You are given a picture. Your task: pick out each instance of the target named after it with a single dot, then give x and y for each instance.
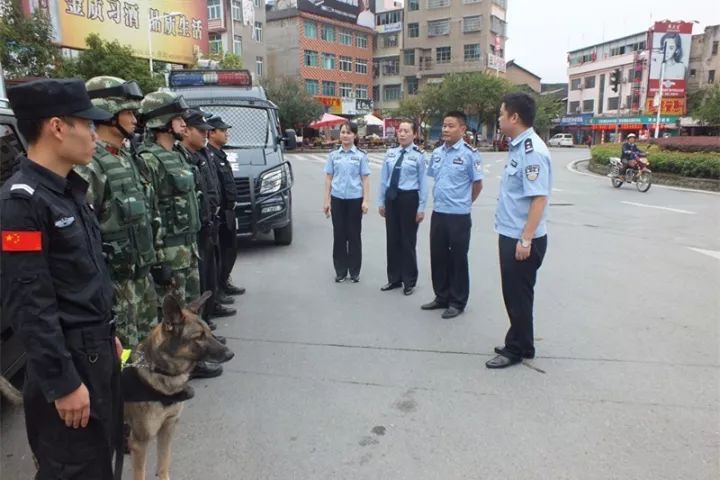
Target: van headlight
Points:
(272, 181)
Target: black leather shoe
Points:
(223, 299)
(220, 339)
(222, 311)
(408, 290)
(451, 312)
(501, 361)
(501, 351)
(206, 370)
(212, 325)
(434, 305)
(231, 289)
(390, 286)
(340, 279)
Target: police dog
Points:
(156, 384)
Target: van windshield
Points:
(251, 127)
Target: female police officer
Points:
(401, 200)
(347, 190)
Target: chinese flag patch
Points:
(22, 241)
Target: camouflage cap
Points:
(159, 108)
(114, 94)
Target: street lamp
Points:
(159, 19)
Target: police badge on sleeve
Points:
(532, 172)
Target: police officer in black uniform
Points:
(56, 287)
(194, 141)
(227, 236)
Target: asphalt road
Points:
(342, 381)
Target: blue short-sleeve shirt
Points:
(412, 173)
(455, 168)
(528, 174)
(347, 168)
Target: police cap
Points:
(54, 98)
(217, 122)
(197, 119)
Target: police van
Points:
(12, 353)
(255, 148)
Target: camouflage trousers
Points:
(186, 283)
(136, 306)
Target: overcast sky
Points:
(541, 32)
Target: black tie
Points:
(391, 193)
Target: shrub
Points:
(689, 144)
(694, 164)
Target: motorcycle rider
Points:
(630, 152)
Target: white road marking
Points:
(558, 190)
(499, 161)
(709, 253)
(669, 209)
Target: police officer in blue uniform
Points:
(56, 287)
(520, 224)
(347, 190)
(401, 200)
(458, 173)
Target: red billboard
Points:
(670, 49)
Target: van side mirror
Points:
(290, 139)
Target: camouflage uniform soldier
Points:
(175, 187)
(123, 202)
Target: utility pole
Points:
(658, 100)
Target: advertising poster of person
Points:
(670, 42)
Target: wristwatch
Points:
(525, 243)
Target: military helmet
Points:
(159, 108)
(114, 94)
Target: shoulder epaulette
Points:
(19, 190)
(472, 149)
(418, 149)
(528, 145)
(361, 150)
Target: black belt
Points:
(406, 192)
(86, 334)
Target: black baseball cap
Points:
(217, 122)
(48, 98)
(197, 119)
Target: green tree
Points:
(231, 61)
(296, 107)
(111, 58)
(708, 112)
(549, 107)
(422, 107)
(26, 43)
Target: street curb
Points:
(572, 167)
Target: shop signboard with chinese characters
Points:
(332, 104)
(631, 123)
(174, 37)
(670, 106)
(670, 44)
(359, 12)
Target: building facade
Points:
(518, 75)
(238, 26)
(333, 58)
(388, 86)
(704, 68)
(450, 36)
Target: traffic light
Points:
(615, 79)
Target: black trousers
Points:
(83, 453)
(208, 266)
(401, 232)
(227, 251)
(518, 287)
(347, 243)
(449, 245)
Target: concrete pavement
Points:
(342, 381)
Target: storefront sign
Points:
(670, 106)
(333, 104)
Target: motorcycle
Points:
(640, 174)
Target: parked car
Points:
(501, 143)
(561, 140)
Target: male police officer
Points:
(56, 287)
(458, 173)
(520, 224)
(217, 139)
(209, 207)
(120, 197)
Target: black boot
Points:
(206, 370)
(222, 298)
(222, 311)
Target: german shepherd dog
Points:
(161, 374)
